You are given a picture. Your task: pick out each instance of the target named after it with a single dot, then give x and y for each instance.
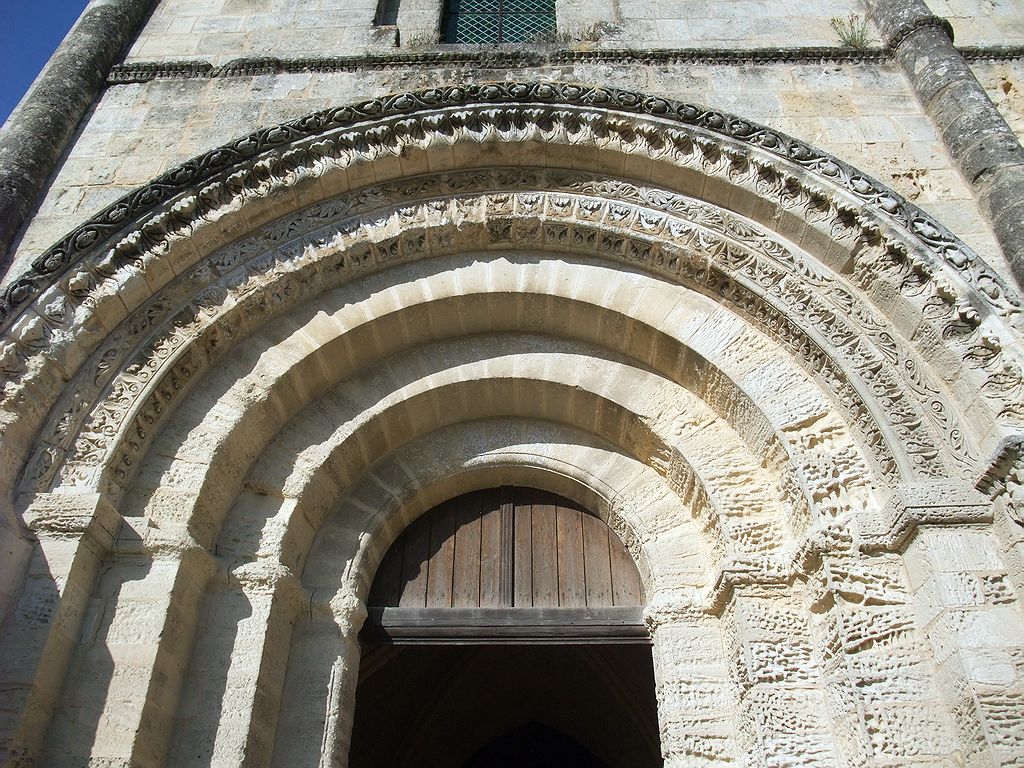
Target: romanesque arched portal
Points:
(781, 385)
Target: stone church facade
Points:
(320, 317)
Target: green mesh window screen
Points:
(498, 21)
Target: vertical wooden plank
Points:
(522, 546)
(545, 556)
(572, 588)
(467, 556)
(442, 556)
(491, 550)
(505, 497)
(597, 561)
(625, 578)
(387, 582)
(415, 556)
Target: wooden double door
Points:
(505, 628)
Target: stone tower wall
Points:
(748, 294)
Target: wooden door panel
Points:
(491, 546)
(597, 561)
(572, 586)
(545, 556)
(505, 548)
(468, 557)
(522, 555)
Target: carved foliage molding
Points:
(289, 259)
(884, 203)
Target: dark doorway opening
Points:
(486, 706)
(535, 745)
(505, 628)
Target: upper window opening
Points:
(387, 13)
(498, 21)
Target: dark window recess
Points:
(387, 13)
(498, 21)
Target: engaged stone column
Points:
(74, 533)
(696, 700)
(966, 607)
(875, 664)
(776, 669)
(315, 724)
(229, 709)
(118, 705)
(975, 622)
(989, 155)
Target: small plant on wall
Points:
(579, 34)
(853, 30)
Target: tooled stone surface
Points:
(914, 504)
(888, 205)
(940, 301)
(615, 222)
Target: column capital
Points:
(72, 516)
(910, 505)
(896, 37)
(269, 578)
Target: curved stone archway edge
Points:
(39, 334)
(381, 252)
(42, 332)
(192, 342)
(728, 129)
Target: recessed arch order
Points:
(302, 331)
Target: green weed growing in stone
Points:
(853, 30)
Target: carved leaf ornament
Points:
(814, 254)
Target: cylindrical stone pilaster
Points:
(228, 714)
(318, 704)
(73, 534)
(118, 705)
(988, 153)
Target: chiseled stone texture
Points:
(1004, 83)
(797, 400)
(864, 114)
(982, 22)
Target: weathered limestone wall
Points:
(864, 114)
(797, 400)
(221, 30)
(1004, 84)
(982, 22)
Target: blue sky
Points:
(30, 30)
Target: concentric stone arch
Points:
(872, 306)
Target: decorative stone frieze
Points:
(230, 159)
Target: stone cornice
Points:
(147, 71)
(914, 504)
(992, 53)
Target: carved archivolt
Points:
(133, 307)
(256, 370)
